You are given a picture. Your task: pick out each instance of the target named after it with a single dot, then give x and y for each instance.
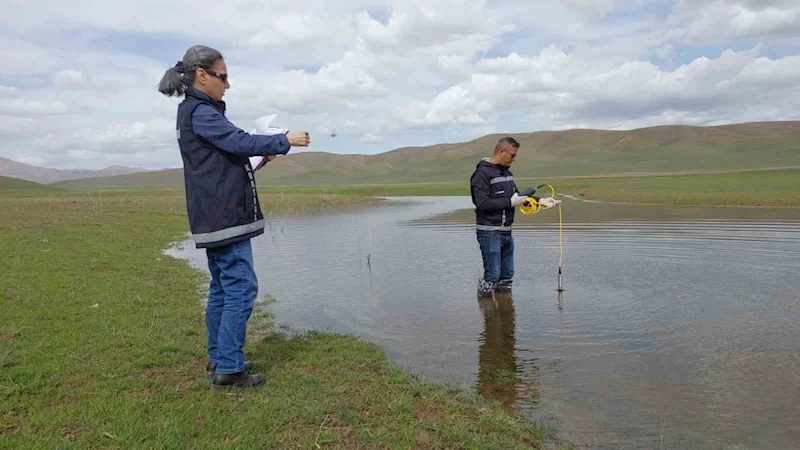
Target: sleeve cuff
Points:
(285, 142)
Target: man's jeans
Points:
(231, 295)
(497, 250)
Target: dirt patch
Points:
(426, 439)
(71, 433)
(11, 293)
(9, 335)
(374, 368)
(64, 401)
(424, 412)
(9, 422)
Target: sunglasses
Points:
(221, 76)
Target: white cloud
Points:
(291, 29)
(117, 138)
(389, 74)
(456, 105)
(337, 84)
(255, 24)
(713, 21)
(422, 24)
(68, 78)
(13, 126)
(24, 107)
(555, 88)
(8, 91)
(592, 8)
(28, 57)
(370, 138)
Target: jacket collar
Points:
(487, 162)
(218, 105)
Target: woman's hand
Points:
(299, 139)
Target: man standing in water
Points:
(495, 196)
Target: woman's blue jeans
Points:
(231, 295)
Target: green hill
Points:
(570, 153)
(15, 185)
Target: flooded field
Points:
(679, 327)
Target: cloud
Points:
(28, 57)
(249, 24)
(82, 89)
(117, 138)
(8, 91)
(68, 78)
(554, 88)
(592, 8)
(19, 106)
(456, 105)
(14, 127)
(370, 138)
(432, 24)
(290, 29)
(336, 84)
(713, 21)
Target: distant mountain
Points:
(13, 169)
(544, 154)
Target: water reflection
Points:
(497, 363)
(505, 373)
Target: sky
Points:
(78, 88)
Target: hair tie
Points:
(179, 66)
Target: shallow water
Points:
(678, 327)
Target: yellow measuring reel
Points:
(532, 206)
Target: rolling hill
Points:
(8, 184)
(570, 153)
(14, 169)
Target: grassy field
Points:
(752, 188)
(756, 188)
(102, 345)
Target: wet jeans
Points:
(497, 250)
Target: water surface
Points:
(678, 327)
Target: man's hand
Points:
(516, 200)
(299, 139)
(271, 157)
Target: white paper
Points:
(263, 127)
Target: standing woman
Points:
(222, 203)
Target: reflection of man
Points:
(497, 364)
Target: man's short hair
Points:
(502, 143)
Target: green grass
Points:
(102, 345)
(757, 188)
(779, 187)
(21, 187)
(753, 188)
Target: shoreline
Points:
(113, 338)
